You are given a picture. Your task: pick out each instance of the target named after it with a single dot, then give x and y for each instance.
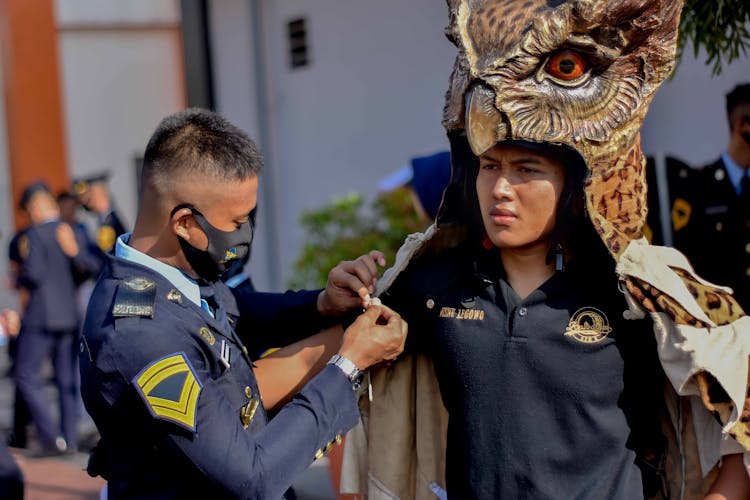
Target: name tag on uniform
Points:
(461, 313)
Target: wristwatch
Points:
(354, 374)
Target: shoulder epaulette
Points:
(135, 297)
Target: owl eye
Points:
(567, 67)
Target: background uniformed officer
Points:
(93, 194)
(50, 255)
(166, 374)
(11, 477)
(717, 234)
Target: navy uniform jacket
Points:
(682, 181)
(49, 276)
(717, 235)
(176, 420)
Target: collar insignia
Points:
(105, 238)
(174, 296)
(588, 325)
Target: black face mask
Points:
(224, 247)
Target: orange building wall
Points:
(34, 114)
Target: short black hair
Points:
(31, 190)
(738, 95)
(199, 141)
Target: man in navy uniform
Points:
(50, 254)
(717, 235)
(94, 196)
(165, 371)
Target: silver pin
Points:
(224, 357)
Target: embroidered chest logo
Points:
(459, 313)
(588, 325)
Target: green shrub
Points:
(346, 228)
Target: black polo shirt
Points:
(540, 391)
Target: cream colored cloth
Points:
(685, 351)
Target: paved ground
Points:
(64, 478)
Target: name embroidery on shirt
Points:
(459, 313)
(588, 325)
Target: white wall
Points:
(235, 71)
(687, 118)
(121, 68)
(371, 99)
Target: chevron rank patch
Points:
(170, 389)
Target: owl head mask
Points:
(578, 73)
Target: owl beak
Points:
(483, 120)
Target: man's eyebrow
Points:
(523, 159)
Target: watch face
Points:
(357, 378)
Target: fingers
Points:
(350, 281)
(378, 257)
(373, 313)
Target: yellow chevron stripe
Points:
(183, 411)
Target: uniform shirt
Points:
(50, 276)
(717, 235)
(172, 392)
(535, 388)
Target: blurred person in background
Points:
(94, 196)
(50, 255)
(11, 478)
(717, 233)
(17, 437)
(426, 178)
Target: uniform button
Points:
(522, 311)
(248, 391)
(318, 454)
(747, 271)
(747, 248)
(430, 303)
(338, 438)
(719, 226)
(329, 447)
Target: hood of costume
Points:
(581, 74)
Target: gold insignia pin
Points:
(247, 413)
(588, 325)
(105, 238)
(23, 246)
(681, 211)
(81, 187)
(207, 335)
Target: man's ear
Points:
(180, 222)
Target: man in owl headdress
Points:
(536, 306)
